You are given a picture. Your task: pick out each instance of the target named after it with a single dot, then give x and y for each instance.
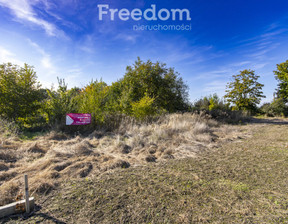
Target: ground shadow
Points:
(36, 217)
(278, 121)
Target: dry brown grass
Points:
(50, 159)
(53, 135)
(9, 191)
(3, 166)
(243, 181)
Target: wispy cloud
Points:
(238, 64)
(24, 13)
(273, 33)
(127, 37)
(8, 56)
(177, 52)
(261, 53)
(258, 66)
(258, 47)
(87, 44)
(215, 86)
(46, 58)
(224, 71)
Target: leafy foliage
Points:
(93, 99)
(147, 89)
(19, 93)
(60, 102)
(155, 81)
(244, 92)
(278, 107)
(218, 109)
(212, 102)
(202, 104)
(281, 74)
(8, 128)
(144, 108)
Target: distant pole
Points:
(26, 194)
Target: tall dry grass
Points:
(52, 158)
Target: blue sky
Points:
(67, 39)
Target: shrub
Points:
(210, 103)
(143, 108)
(217, 109)
(278, 107)
(19, 93)
(60, 102)
(8, 128)
(93, 99)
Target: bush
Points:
(8, 128)
(219, 110)
(278, 107)
(19, 93)
(229, 116)
(60, 102)
(143, 108)
(93, 99)
(210, 103)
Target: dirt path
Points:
(243, 181)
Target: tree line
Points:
(147, 89)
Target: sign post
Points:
(27, 203)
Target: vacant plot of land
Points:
(51, 159)
(239, 181)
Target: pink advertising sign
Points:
(78, 119)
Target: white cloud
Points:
(258, 66)
(46, 62)
(239, 64)
(46, 58)
(87, 44)
(262, 54)
(274, 33)
(87, 49)
(127, 37)
(225, 72)
(24, 12)
(75, 71)
(7, 56)
(215, 86)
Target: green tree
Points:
(93, 99)
(60, 102)
(155, 81)
(215, 103)
(281, 74)
(202, 104)
(244, 92)
(19, 92)
(113, 98)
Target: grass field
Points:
(232, 174)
